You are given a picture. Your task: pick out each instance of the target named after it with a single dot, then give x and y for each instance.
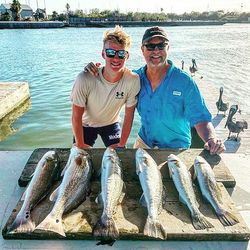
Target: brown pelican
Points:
(221, 106)
(193, 68)
(235, 126)
(182, 64)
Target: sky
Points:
(174, 6)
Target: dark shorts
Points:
(110, 134)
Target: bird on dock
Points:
(193, 68)
(235, 126)
(221, 106)
(182, 64)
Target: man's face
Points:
(155, 56)
(115, 57)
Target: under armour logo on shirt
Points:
(119, 95)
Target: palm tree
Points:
(15, 9)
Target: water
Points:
(50, 59)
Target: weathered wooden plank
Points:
(127, 157)
(131, 217)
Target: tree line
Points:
(95, 13)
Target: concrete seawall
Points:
(31, 25)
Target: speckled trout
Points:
(211, 191)
(40, 184)
(183, 183)
(73, 190)
(111, 194)
(151, 183)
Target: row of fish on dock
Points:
(76, 183)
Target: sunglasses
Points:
(152, 46)
(112, 52)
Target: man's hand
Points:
(215, 146)
(92, 68)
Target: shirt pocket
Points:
(172, 108)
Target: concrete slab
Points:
(12, 162)
(12, 94)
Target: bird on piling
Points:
(221, 106)
(193, 68)
(235, 126)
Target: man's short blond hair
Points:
(118, 36)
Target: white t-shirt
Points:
(103, 100)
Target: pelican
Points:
(235, 126)
(221, 106)
(193, 68)
(182, 64)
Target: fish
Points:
(153, 193)
(73, 190)
(44, 175)
(111, 195)
(211, 191)
(183, 183)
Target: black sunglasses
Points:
(112, 52)
(152, 46)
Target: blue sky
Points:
(176, 6)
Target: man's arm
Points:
(207, 133)
(127, 125)
(77, 113)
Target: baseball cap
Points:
(154, 32)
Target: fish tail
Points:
(22, 224)
(228, 219)
(52, 223)
(106, 227)
(200, 222)
(154, 229)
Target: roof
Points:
(23, 6)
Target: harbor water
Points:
(50, 59)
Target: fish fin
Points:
(182, 200)
(51, 223)
(121, 198)
(154, 228)
(228, 219)
(170, 172)
(22, 224)
(54, 195)
(99, 199)
(24, 195)
(143, 201)
(106, 227)
(162, 164)
(200, 222)
(205, 200)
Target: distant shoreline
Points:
(101, 24)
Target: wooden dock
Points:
(131, 216)
(12, 95)
(211, 95)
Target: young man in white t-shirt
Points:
(97, 101)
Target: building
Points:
(26, 11)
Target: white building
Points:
(26, 11)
